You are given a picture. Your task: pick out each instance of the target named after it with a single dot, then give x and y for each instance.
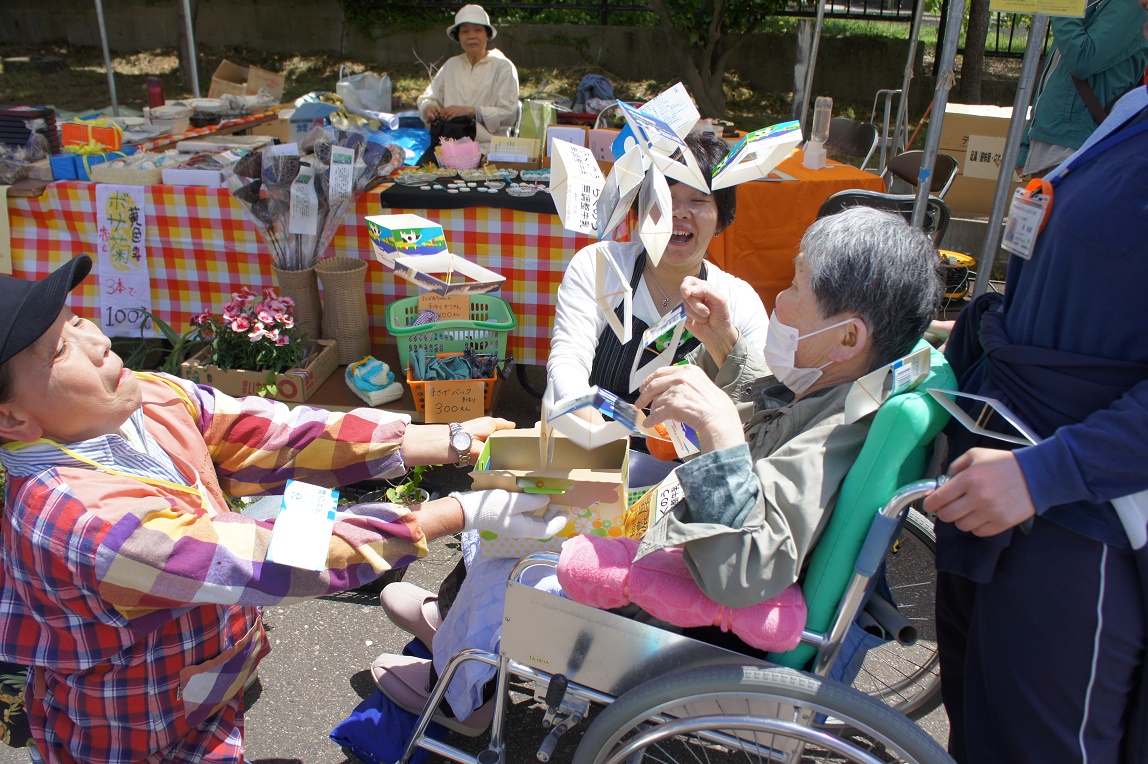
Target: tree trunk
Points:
(973, 59)
(185, 53)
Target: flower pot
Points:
(345, 306)
(303, 288)
(293, 385)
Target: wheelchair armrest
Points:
(538, 558)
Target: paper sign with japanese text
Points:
(454, 401)
(575, 184)
(675, 322)
(983, 157)
(568, 133)
(621, 188)
(652, 507)
(755, 155)
(304, 211)
(665, 148)
(450, 307)
(121, 259)
(655, 215)
(522, 149)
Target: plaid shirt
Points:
(134, 592)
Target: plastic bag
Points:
(536, 115)
(366, 92)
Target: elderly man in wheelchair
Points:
(788, 462)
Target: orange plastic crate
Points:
(418, 387)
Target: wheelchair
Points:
(670, 698)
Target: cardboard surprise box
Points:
(294, 385)
(974, 135)
(590, 486)
(244, 80)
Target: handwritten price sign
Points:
(454, 401)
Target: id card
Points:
(1025, 216)
(302, 534)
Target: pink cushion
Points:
(599, 571)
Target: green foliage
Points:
(692, 17)
(409, 491)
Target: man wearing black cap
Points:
(127, 584)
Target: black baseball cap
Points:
(29, 308)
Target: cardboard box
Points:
(404, 234)
(978, 131)
(295, 385)
(186, 176)
(280, 128)
(82, 132)
(244, 80)
(308, 116)
(590, 485)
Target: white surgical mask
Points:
(781, 349)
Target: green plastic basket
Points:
(491, 320)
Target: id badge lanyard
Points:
(1030, 206)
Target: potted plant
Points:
(256, 348)
(410, 491)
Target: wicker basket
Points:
(491, 320)
(345, 306)
(467, 162)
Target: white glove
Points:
(510, 514)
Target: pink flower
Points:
(232, 310)
(285, 320)
(265, 316)
(243, 296)
(289, 302)
(201, 319)
(270, 293)
(240, 324)
(282, 340)
(277, 306)
(258, 332)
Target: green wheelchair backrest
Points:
(895, 453)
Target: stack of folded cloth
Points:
(373, 381)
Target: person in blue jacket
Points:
(1042, 589)
(1106, 55)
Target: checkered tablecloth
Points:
(201, 248)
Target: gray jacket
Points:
(752, 512)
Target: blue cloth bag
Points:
(377, 731)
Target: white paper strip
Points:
(655, 215)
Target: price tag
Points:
(454, 401)
(448, 306)
(1025, 215)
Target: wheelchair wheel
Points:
(726, 714)
(907, 677)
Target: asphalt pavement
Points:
(322, 650)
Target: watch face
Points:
(460, 440)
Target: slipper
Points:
(412, 609)
(406, 681)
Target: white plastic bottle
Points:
(819, 135)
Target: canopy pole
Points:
(808, 94)
(903, 104)
(191, 54)
(1037, 31)
(107, 57)
(945, 81)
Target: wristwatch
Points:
(460, 441)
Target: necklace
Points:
(665, 297)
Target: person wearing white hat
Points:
(478, 84)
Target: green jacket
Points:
(1106, 49)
